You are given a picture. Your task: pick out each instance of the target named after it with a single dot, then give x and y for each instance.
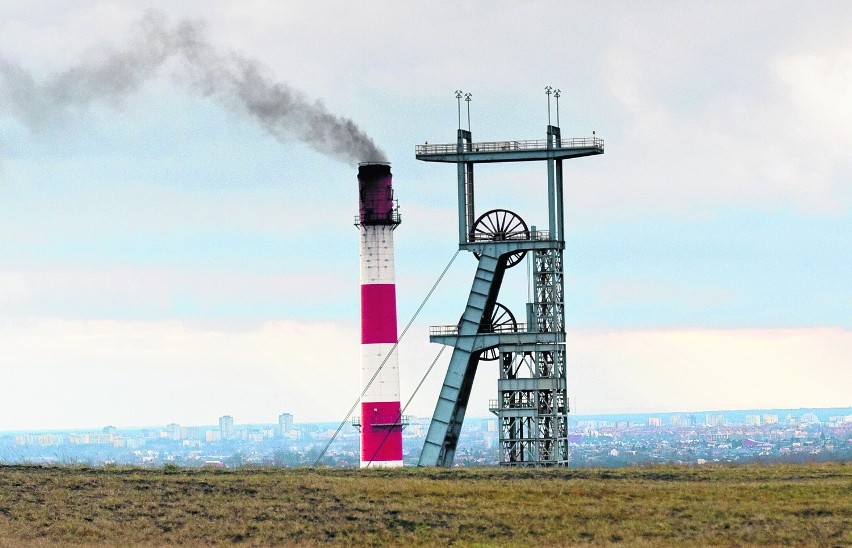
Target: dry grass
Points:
(726, 506)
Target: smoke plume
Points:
(108, 75)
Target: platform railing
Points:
(438, 330)
(506, 146)
(537, 235)
(391, 218)
(500, 236)
(403, 421)
(496, 405)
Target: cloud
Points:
(725, 146)
(13, 288)
(66, 374)
(71, 373)
(144, 292)
(701, 109)
(649, 293)
(820, 88)
(695, 105)
(701, 369)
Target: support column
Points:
(560, 203)
(551, 188)
(465, 186)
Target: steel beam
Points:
(510, 155)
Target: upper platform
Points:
(510, 151)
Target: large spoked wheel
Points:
(502, 321)
(499, 225)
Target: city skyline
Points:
(164, 257)
(705, 417)
(766, 435)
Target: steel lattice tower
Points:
(532, 405)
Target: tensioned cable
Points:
(390, 352)
(402, 411)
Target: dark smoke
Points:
(109, 75)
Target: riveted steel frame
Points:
(532, 403)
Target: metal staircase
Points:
(443, 434)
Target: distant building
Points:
(654, 421)
(110, 430)
(770, 419)
(750, 443)
(675, 420)
(90, 439)
(226, 427)
(285, 423)
(39, 439)
(714, 419)
(839, 421)
(809, 418)
(752, 420)
(173, 431)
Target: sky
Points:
(172, 249)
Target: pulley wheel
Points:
(499, 225)
(502, 321)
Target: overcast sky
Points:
(174, 249)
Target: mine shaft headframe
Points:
(499, 239)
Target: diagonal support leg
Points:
(440, 446)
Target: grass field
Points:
(727, 506)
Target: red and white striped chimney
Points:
(381, 424)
